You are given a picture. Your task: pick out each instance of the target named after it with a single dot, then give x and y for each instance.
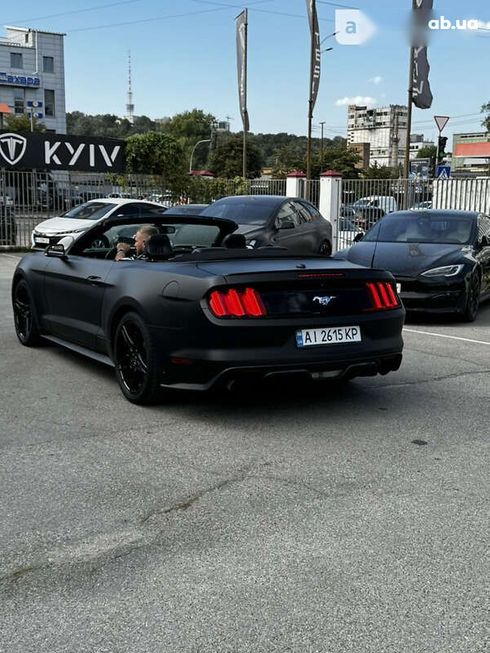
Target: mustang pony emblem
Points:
(325, 300)
(12, 147)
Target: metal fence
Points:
(462, 194)
(309, 189)
(28, 198)
(267, 187)
(364, 201)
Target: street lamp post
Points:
(206, 140)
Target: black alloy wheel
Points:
(325, 248)
(24, 317)
(472, 303)
(136, 360)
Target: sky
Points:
(184, 56)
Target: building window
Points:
(16, 60)
(49, 102)
(19, 100)
(48, 64)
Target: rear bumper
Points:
(206, 376)
(272, 351)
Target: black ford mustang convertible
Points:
(200, 309)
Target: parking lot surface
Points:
(346, 518)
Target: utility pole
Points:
(321, 145)
(406, 164)
(395, 139)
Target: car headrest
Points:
(235, 241)
(158, 248)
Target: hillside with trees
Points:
(220, 151)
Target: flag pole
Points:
(406, 163)
(244, 153)
(241, 44)
(310, 96)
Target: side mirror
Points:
(359, 236)
(55, 251)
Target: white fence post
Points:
(293, 182)
(331, 199)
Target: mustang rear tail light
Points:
(245, 302)
(382, 295)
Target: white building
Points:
(384, 128)
(417, 142)
(32, 70)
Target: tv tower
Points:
(129, 105)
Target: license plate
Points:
(398, 288)
(43, 241)
(330, 336)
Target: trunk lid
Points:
(300, 288)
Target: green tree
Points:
(192, 125)
(189, 128)
(338, 158)
(107, 125)
(379, 172)
(226, 159)
(155, 153)
(22, 123)
(427, 152)
(486, 120)
(288, 157)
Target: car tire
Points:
(136, 360)
(325, 248)
(472, 299)
(26, 327)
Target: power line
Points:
(77, 11)
(144, 20)
(282, 13)
(335, 4)
(265, 11)
(168, 16)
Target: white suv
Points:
(82, 217)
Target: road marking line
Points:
(442, 335)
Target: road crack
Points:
(102, 549)
(444, 377)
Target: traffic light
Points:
(441, 148)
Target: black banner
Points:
(61, 152)
(241, 57)
(315, 52)
(421, 93)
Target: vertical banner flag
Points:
(241, 56)
(421, 93)
(315, 52)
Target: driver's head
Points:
(143, 235)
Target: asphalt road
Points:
(349, 519)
